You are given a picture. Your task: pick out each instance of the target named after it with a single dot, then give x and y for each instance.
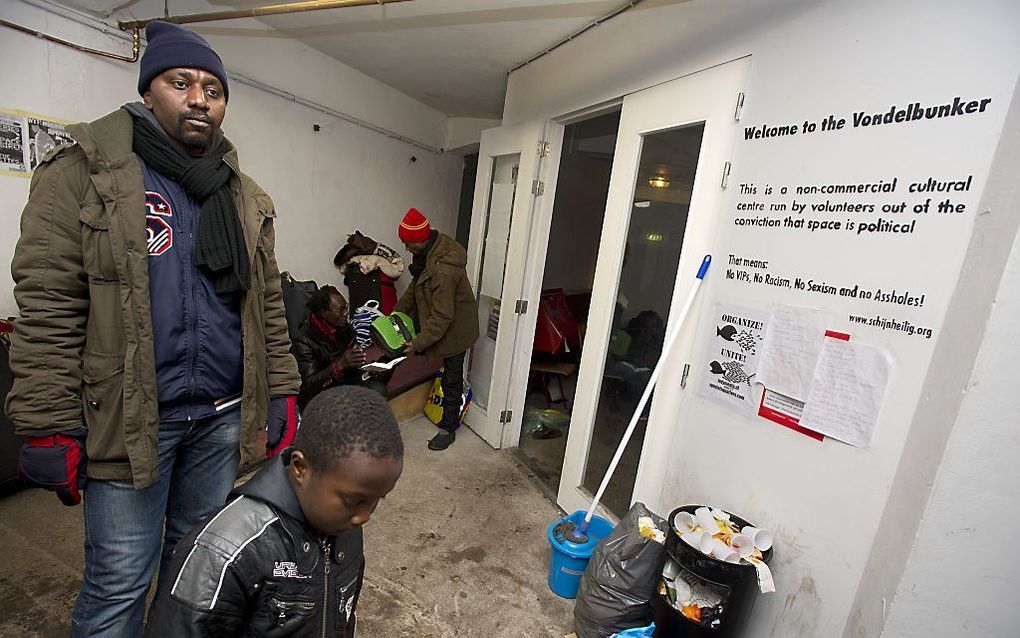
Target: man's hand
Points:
(353, 358)
(409, 350)
(55, 462)
(281, 424)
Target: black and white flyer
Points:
(43, 136)
(26, 138)
(732, 358)
(12, 144)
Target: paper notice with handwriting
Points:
(847, 389)
(793, 339)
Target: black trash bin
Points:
(736, 584)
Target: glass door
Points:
(509, 188)
(662, 194)
(665, 188)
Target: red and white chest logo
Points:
(159, 235)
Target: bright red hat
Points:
(414, 228)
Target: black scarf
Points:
(220, 250)
(420, 260)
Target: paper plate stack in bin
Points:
(724, 592)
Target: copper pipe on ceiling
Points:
(77, 16)
(598, 21)
(135, 46)
(256, 12)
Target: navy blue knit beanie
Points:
(171, 47)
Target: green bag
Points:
(393, 332)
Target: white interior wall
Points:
(940, 411)
(325, 184)
(254, 49)
(657, 41)
(463, 133)
(840, 551)
(962, 576)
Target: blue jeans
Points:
(125, 527)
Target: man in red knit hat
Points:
(444, 309)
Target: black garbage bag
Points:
(295, 302)
(617, 587)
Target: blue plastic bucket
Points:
(568, 559)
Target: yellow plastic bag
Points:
(434, 403)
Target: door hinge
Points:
(506, 416)
(683, 379)
(543, 148)
(537, 187)
(740, 106)
(521, 307)
(725, 175)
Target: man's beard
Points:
(205, 143)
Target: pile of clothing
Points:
(370, 270)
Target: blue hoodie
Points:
(197, 333)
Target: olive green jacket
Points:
(441, 302)
(82, 349)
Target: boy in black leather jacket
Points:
(284, 556)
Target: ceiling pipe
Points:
(106, 54)
(598, 21)
(255, 12)
(108, 28)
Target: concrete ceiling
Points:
(452, 55)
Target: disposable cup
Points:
(705, 520)
(762, 538)
(724, 552)
(670, 570)
(693, 539)
(742, 544)
(685, 522)
(705, 543)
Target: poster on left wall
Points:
(26, 138)
(12, 144)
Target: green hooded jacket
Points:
(82, 349)
(441, 302)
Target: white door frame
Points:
(538, 143)
(708, 96)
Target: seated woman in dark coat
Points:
(326, 352)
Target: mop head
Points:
(569, 532)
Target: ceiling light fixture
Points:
(658, 181)
(642, 204)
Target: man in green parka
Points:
(444, 310)
(151, 346)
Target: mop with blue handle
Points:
(580, 533)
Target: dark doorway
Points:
(467, 196)
(586, 162)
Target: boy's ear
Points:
(299, 467)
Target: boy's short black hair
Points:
(320, 299)
(343, 419)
